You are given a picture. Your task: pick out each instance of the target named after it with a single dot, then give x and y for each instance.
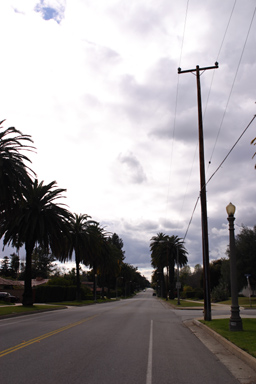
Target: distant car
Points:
(144, 290)
(154, 294)
(6, 296)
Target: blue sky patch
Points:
(49, 13)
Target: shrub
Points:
(49, 293)
(220, 293)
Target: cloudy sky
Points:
(95, 83)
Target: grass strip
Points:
(184, 303)
(82, 302)
(10, 310)
(245, 302)
(245, 339)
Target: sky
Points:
(95, 84)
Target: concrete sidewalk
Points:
(239, 363)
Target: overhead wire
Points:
(239, 62)
(218, 54)
(206, 105)
(176, 102)
(232, 87)
(214, 173)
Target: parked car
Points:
(6, 296)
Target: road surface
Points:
(134, 341)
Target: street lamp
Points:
(235, 321)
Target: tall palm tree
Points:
(159, 257)
(14, 173)
(98, 250)
(177, 255)
(39, 220)
(164, 250)
(79, 244)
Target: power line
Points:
(225, 158)
(176, 102)
(209, 92)
(231, 90)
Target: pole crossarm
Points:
(197, 67)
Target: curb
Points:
(244, 356)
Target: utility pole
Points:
(204, 220)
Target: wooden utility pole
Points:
(204, 220)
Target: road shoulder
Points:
(239, 363)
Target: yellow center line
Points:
(42, 337)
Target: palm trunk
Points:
(171, 280)
(28, 293)
(78, 283)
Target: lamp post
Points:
(235, 321)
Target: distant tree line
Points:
(32, 216)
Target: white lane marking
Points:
(150, 355)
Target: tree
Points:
(79, 244)
(245, 243)
(42, 263)
(178, 256)
(39, 220)
(159, 257)
(14, 173)
(112, 258)
(98, 251)
(14, 264)
(166, 251)
(5, 267)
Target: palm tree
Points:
(39, 220)
(97, 250)
(164, 250)
(177, 254)
(80, 244)
(14, 173)
(159, 257)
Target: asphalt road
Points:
(130, 341)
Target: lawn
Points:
(9, 308)
(185, 303)
(83, 302)
(20, 309)
(245, 339)
(245, 302)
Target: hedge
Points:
(48, 293)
